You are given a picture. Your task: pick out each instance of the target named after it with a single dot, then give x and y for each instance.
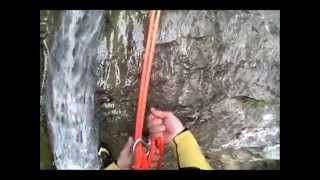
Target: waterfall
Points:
(70, 90)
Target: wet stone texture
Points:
(46, 158)
(218, 71)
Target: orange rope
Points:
(141, 159)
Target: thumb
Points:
(160, 114)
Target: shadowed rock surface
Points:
(218, 71)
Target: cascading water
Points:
(70, 90)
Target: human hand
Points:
(126, 157)
(164, 123)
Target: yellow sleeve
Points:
(188, 152)
(112, 166)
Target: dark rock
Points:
(219, 71)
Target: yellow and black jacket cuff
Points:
(112, 166)
(188, 152)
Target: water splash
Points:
(70, 90)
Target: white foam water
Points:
(70, 90)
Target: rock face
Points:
(218, 71)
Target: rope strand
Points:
(141, 159)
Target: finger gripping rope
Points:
(142, 157)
